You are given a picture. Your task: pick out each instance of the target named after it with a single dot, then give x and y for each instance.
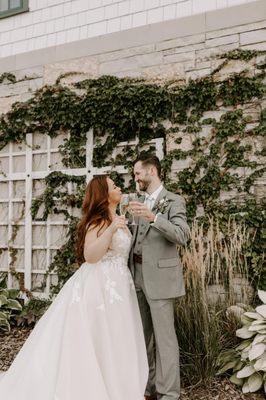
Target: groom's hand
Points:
(141, 210)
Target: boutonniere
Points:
(162, 205)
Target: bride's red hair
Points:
(95, 212)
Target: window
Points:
(12, 7)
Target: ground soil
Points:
(218, 389)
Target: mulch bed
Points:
(219, 389)
(10, 345)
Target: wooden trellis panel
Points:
(23, 169)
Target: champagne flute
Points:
(132, 197)
(124, 204)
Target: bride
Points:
(89, 344)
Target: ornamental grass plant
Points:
(216, 277)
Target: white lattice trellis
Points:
(23, 169)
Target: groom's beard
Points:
(143, 186)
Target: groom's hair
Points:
(149, 159)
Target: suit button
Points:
(139, 242)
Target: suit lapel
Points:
(145, 224)
(162, 193)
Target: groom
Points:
(155, 265)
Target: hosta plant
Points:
(9, 306)
(32, 312)
(248, 359)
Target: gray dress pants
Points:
(161, 342)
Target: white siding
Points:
(54, 22)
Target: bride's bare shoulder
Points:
(94, 231)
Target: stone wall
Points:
(178, 54)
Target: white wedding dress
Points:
(89, 345)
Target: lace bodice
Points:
(120, 244)
(112, 270)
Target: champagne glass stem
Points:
(133, 197)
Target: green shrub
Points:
(248, 359)
(32, 312)
(9, 306)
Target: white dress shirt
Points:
(150, 199)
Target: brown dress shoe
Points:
(153, 397)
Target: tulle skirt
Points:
(89, 345)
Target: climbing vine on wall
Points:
(120, 109)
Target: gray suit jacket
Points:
(161, 265)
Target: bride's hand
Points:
(118, 222)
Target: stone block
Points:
(203, 64)
(221, 41)
(184, 49)
(14, 89)
(146, 60)
(198, 73)
(164, 71)
(213, 114)
(186, 143)
(242, 289)
(207, 54)
(132, 51)
(256, 36)
(131, 63)
(180, 42)
(205, 131)
(26, 96)
(252, 112)
(116, 66)
(34, 72)
(35, 84)
(180, 57)
(86, 66)
(235, 29)
(172, 136)
(189, 65)
(228, 195)
(6, 103)
(260, 190)
(128, 74)
(179, 165)
(257, 46)
(234, 67)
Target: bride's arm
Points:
(96, 245)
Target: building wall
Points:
(165, 50)
(183, 48)
(54, 22)
(158, 51)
